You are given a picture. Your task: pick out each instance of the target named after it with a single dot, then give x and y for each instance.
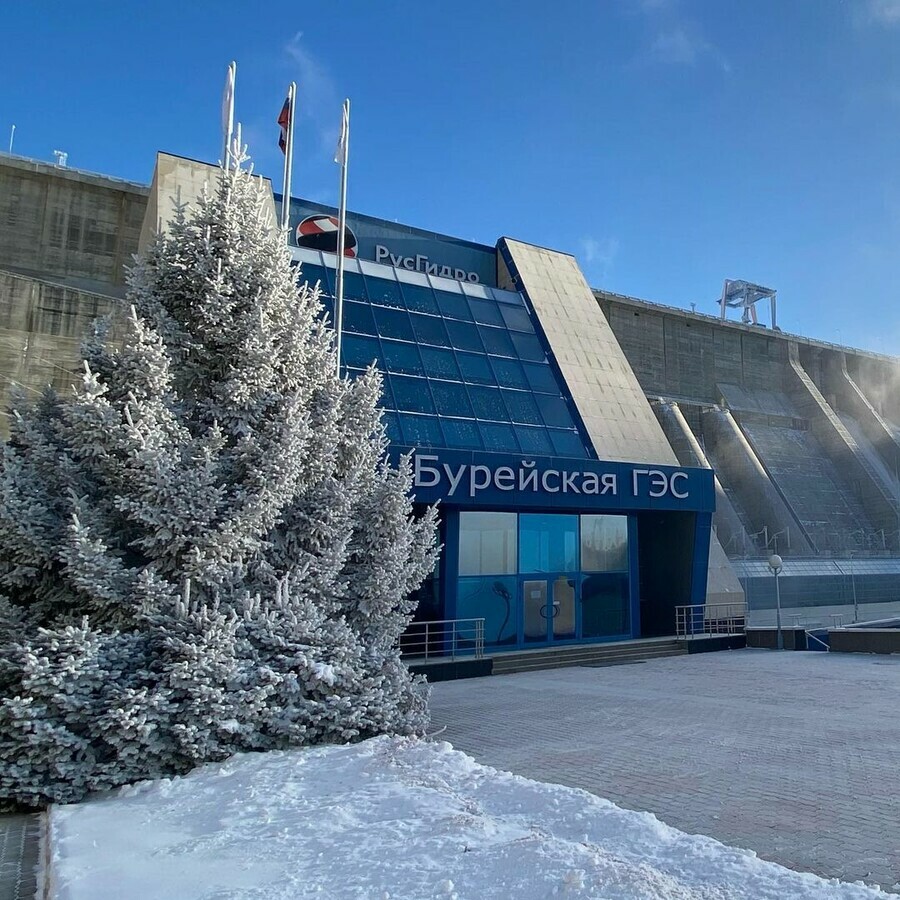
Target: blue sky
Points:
(668, 143)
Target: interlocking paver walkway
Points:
(793, 755)
(19, 849)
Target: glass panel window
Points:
(563, 597)
(451, 399)
(541, 378)
(419, 298)
(567, 443)
(453, 306)
(473, 289)
(461, 434)
(534, 610)
(311, 274)
(492, 599)
(403, 358)
(393, 323)
(360, 351)
(522, 407)
(487, 543)
(507, 296)
(384, 292)
(447, 285)
(497, 341)
(509, 373)
(407, 276)
(421, 431)
(604, 543)
(605, 611)
(548, 542)
(412, 394)
(554, 411)
(533, 440)
(498, 437)
(358, 318)
(475, 369)
(392, 426)
(464, 336)
(326, 313)
(485, 312)
(354, 287)
(516, 318)
(488, 404)
(439, 363)
(528, 346)
(429, 330)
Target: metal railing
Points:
(811, 637)
(443, 639)
(710, 618)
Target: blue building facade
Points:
(544, 538)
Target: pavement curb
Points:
(44, 875)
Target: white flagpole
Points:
(288, 159)
(228, 113)
(342, 156)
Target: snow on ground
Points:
(390, 818)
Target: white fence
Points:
(443, 639)
(710, 618)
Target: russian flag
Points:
(284, 120)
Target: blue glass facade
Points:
(538, 578)
(541, 539)
(464, 366)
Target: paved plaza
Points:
(793, 755)
(19, 843)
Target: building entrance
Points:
(545, 578)
(548, 609)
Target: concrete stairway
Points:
(587, 655)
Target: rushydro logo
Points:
(321, 233)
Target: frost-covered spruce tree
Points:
(203, 548)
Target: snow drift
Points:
(391, 818)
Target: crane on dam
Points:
(740, 294)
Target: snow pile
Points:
(390, 818)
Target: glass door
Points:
(562, 608)
(535, 625)
(548, 609)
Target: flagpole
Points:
(342, 227)
(288, 160)
(228, 112)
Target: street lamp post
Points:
(853, 585)
(775, 567)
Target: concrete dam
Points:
(803, 435)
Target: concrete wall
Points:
(739, 467)
(730, 530)
(65, 241)
(609, 396)
(68, 226)
(684, 356)
(177, 180)
(702, 362)
(41, 328)
(841, 445)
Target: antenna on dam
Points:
(744, 295)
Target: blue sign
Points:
(314, 225)
(461, 478)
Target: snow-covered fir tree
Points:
(203, 548)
